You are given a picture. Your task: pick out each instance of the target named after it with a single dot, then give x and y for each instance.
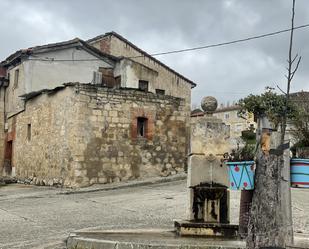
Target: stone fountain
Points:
(207, 182)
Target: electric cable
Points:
(190, 49)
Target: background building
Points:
(229, 115)
(237, 123)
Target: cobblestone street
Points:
(39, 217)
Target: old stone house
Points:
(229, 115)
(76, 113)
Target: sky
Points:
(227, 73)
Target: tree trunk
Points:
(244, 212)
(270, 222)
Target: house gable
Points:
(168, 81)
(103, 42)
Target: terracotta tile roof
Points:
(197, 112)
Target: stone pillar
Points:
(209, 141)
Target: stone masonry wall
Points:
(42, 144)
(109, 148)
(85, 134)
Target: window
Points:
(108, 77)
(141, 126)
(143, 85)
(251, 127)
(29, 132)
(226, 115)
(16, 78)
(160, 91)
(118, 81)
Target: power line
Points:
(228, 43)
(189, 49)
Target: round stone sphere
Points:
(209, 104)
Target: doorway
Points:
(8, 157)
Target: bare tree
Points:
(291, 72)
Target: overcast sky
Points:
(228, 73)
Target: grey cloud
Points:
(228, 72)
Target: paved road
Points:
(34, 216)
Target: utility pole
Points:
(270, 222)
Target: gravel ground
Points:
(41, 217)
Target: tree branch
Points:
(294, 58)
(292, 75)
(281, 90)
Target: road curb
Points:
(122, 185)
(145, 238)
(155, 239)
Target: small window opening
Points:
(16, 78)
(29, 132)
(141, 126)
(143, 85)
(160, 91)
(118, 81)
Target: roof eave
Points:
(56, 46)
